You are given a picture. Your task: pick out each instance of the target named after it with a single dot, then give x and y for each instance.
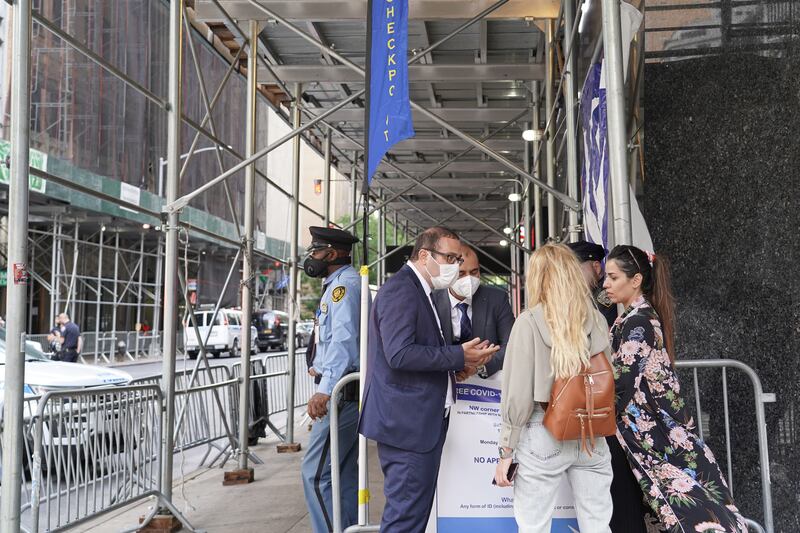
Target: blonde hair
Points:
(555, 281)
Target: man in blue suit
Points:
(410, 382)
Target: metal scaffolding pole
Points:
(116, 286)
(157, 292)
(71, 296)
(526, 208)
(99, 296)
(537, 170)
(54, 270)
(14, 395)
(512, 279)
(138, 327)
(617, 134)
(570, 98)
(171, 253)
(381, 240)
(353, 191)
(327, 178)
(290, 445)
(552, 228)
(248, 273)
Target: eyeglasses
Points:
(450, 258)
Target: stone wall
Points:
(722, 200)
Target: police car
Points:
(43, 375)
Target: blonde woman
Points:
(554, 337)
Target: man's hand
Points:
(318, 405)
(477, 352)
(312, 372)
(467, 373)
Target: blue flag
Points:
(389, 118)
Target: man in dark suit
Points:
(469, 309)
(410, 379)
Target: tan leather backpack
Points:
(582, 407)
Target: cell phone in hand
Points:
(512, 472)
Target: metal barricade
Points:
(722, 364)
(269, 382)
(95, 450)
(103, 347)
(761, 398)
(202, 422)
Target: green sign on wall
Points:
(37, 160)
(3, 277)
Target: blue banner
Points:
(389, 119)
(476, 393)
(595, 171)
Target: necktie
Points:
(466, 323)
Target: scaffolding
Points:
(320, 98)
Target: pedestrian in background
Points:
(71, 343)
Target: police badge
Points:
(603, 299)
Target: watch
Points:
(482, 372)
(503, 453)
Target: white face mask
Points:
(466, 286)
(447, 274)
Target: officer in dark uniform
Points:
(591, 256)
(335, 354)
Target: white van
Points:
(226, 333)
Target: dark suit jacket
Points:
(407, 368)
(492, 319)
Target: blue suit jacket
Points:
(407, 368)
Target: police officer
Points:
(591, 256)
(336, 354)
(71, 339)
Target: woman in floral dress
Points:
(681, 483)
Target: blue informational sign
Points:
(594, 174)
(389, 119)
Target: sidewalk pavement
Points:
(273, 503)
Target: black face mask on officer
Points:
(318, 268)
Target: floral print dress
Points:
(681, 482)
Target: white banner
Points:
(466, 500)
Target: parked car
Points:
(303, 335)
(44, 375)
(273, 328)
(225, 336)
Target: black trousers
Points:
(629, 507)
(69, 356)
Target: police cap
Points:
(588, 251)
(322, 237)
